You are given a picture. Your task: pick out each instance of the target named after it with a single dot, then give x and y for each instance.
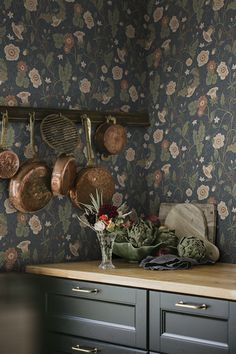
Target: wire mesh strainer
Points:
(60, 133)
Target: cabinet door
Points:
(232, 327)
(58, 344)
(107, 313)
(188, 324)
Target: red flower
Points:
(109, 210)
(22, 66)
(104, 218)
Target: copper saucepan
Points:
(29, 189)
(91, 177)
(63, 174)
(9, 161)
(110, 137)
(60, 133)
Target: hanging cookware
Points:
(91, 177)
(29, 189)
(110, 137)
(63, 175)
(9, 161)
(61, 134)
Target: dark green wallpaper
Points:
(175, 58)
(69, 54)
(191, 146)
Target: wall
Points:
(187, 154)
(191, 144)
(68, 54)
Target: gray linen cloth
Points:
(170, 262)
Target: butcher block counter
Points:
(216, 281)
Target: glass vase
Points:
(106, 242)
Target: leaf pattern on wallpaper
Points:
(176, 58)
(64, 216)
(67, 54)
(195, 58)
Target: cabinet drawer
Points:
(58, 344)
(101, 312)
(195, 305)
(188, 324)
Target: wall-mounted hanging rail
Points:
(22, 113)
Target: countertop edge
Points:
(137, 282)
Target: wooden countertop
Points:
(217, 281)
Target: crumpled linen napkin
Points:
(170, 262)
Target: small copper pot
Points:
(9, 161)
(110, 137)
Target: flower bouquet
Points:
(108, 221)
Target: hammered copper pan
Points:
(91, 177)
(110, 137)
(9, 161)
(29, 189)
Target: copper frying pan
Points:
(110, 137)
(29, 189)
(91, 177)
(60, 133)
(9, 161)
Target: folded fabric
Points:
(170, 262)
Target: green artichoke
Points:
(191, 247)
(168, 237)
(142, 233)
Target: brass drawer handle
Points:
(191, 306)
(87, 291)
(78, 348)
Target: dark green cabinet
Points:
(58, 343)
(80, 314)
(182, 324)
(90, 317)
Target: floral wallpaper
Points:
(191, 144)
(175, 58)
(68, 54)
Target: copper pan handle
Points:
(32, 141)
(4, 129)
(87, 128)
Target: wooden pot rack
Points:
(22, 113)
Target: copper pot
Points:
(110, 137)
(91, 177)
(29, 189)
(63, 175)
(9, 161)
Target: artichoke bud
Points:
(168, 237)
(142, 233)
(192, 247)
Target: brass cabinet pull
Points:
(191, 306)
(88, 291)
(78, 348)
